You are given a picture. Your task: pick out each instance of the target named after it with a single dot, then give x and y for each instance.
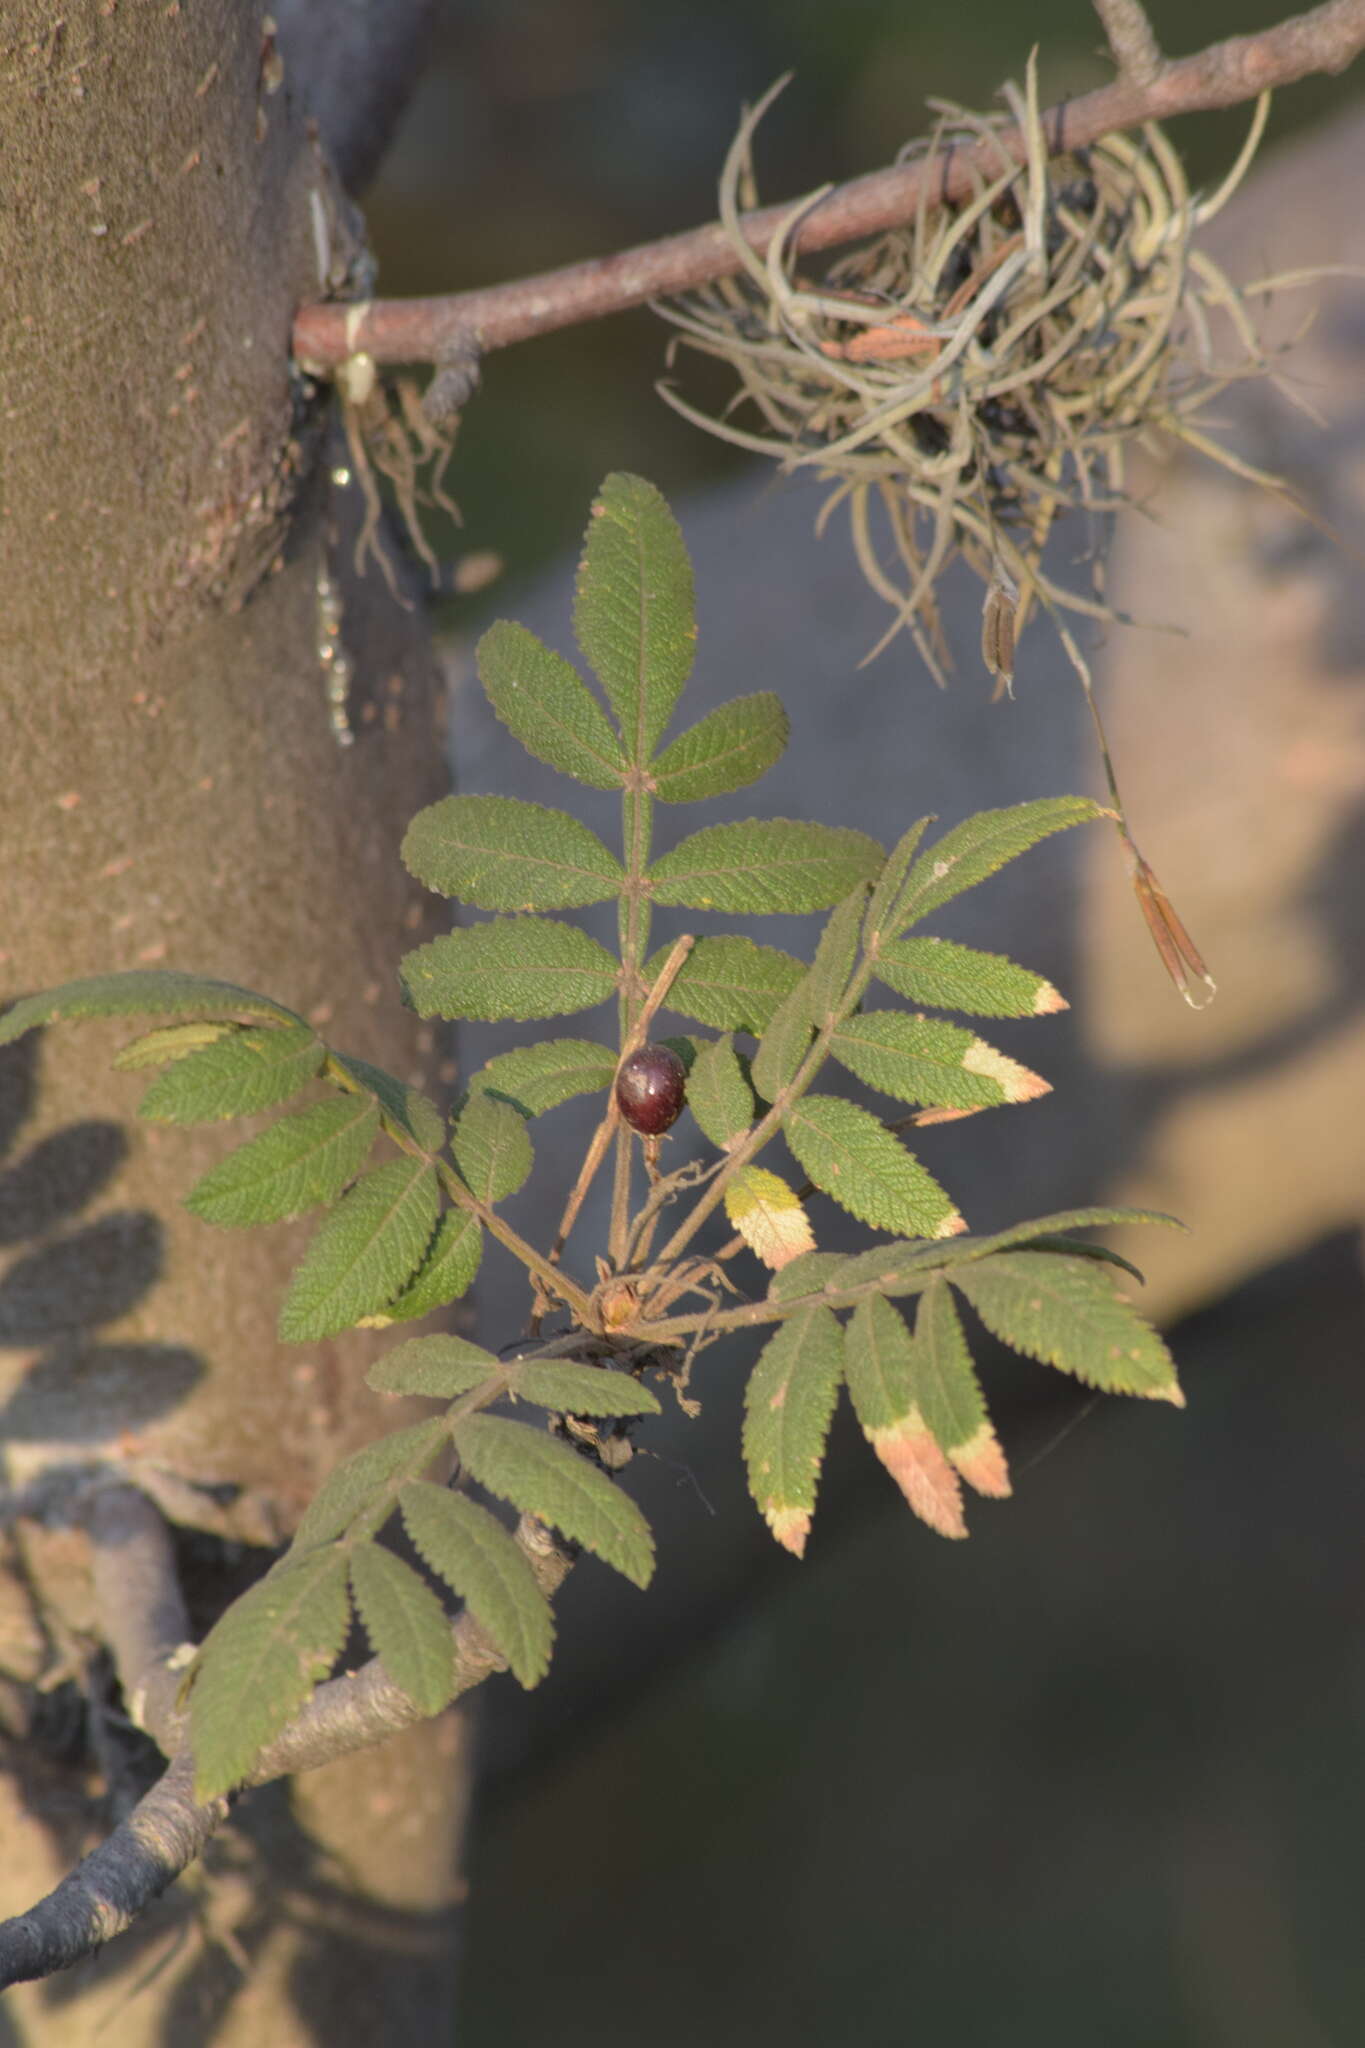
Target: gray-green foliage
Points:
(402, 1235)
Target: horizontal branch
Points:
(169, 1828)
(427, 330)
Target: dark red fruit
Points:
(651, 1088)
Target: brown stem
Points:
(421, 330)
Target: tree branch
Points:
(169, 1828)
(430, 330)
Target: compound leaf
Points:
(633, 608)
(727, 749)
(364, 1252)
(953, 977)
(491, 1146)
(1068, 1312)
(473, 1553)
(544, 1478)
(535, 1078)
(765, 864)
(730, 983)
(787, 1409)
(866, 1170)
(144, 992)
(545, 704)
(302, 1160)
(260, 1662)
(406, 1624)
(515, 967)
(500, 853)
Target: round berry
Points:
(651, 1088)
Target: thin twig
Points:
(1132, 41)
(1326, 39)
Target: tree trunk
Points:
(172, 790)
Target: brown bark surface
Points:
(171, 791)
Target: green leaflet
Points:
(548, 1480)
(302, 1160)
(880, 1367)
(787, 1409)
(978, 847)
(545, 704)
(951, 977)
(765, 864)
(447, 1270)
(477, 1558)
(688, 1049)
(730, 983)
(367, 1482)
(401, 1105)
(535, 1078)
(491, 1146)
(718, 1095)
(167, 1042)
(847, 1153)
(633, 608)
(238, 1074)
(813, 1002)
(784, 1043)
(910, 1268)
(950, 1397)
(143, 993)
(499, 853)
(892, 877)
(916, 1059)
(1067, 1312)
(515, 967)
(406, 1625)
(364, 1252)
(726, 750)
(805, 1275)
(260, 1662)
(570, 1389)
(441, 1368)
(963, 1250)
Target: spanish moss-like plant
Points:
(963, 380)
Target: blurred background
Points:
(1094, 1776)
